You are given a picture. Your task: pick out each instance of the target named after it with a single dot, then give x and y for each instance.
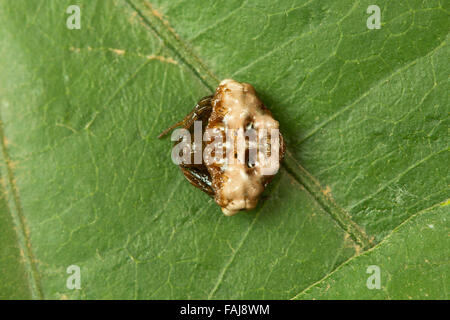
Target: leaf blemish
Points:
(121, 52)
(327, 190)
(117, 51)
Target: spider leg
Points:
(199, 177)
(203, 105)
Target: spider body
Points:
(237, 182)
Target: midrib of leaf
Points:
(15, 209)
(182, 50)
(324, 199)
(185, 54)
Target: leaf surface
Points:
(413, 264)
(86, 182)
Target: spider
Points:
(237, 183)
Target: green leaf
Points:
(13, 283)
(413, 263)
(85, 181)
